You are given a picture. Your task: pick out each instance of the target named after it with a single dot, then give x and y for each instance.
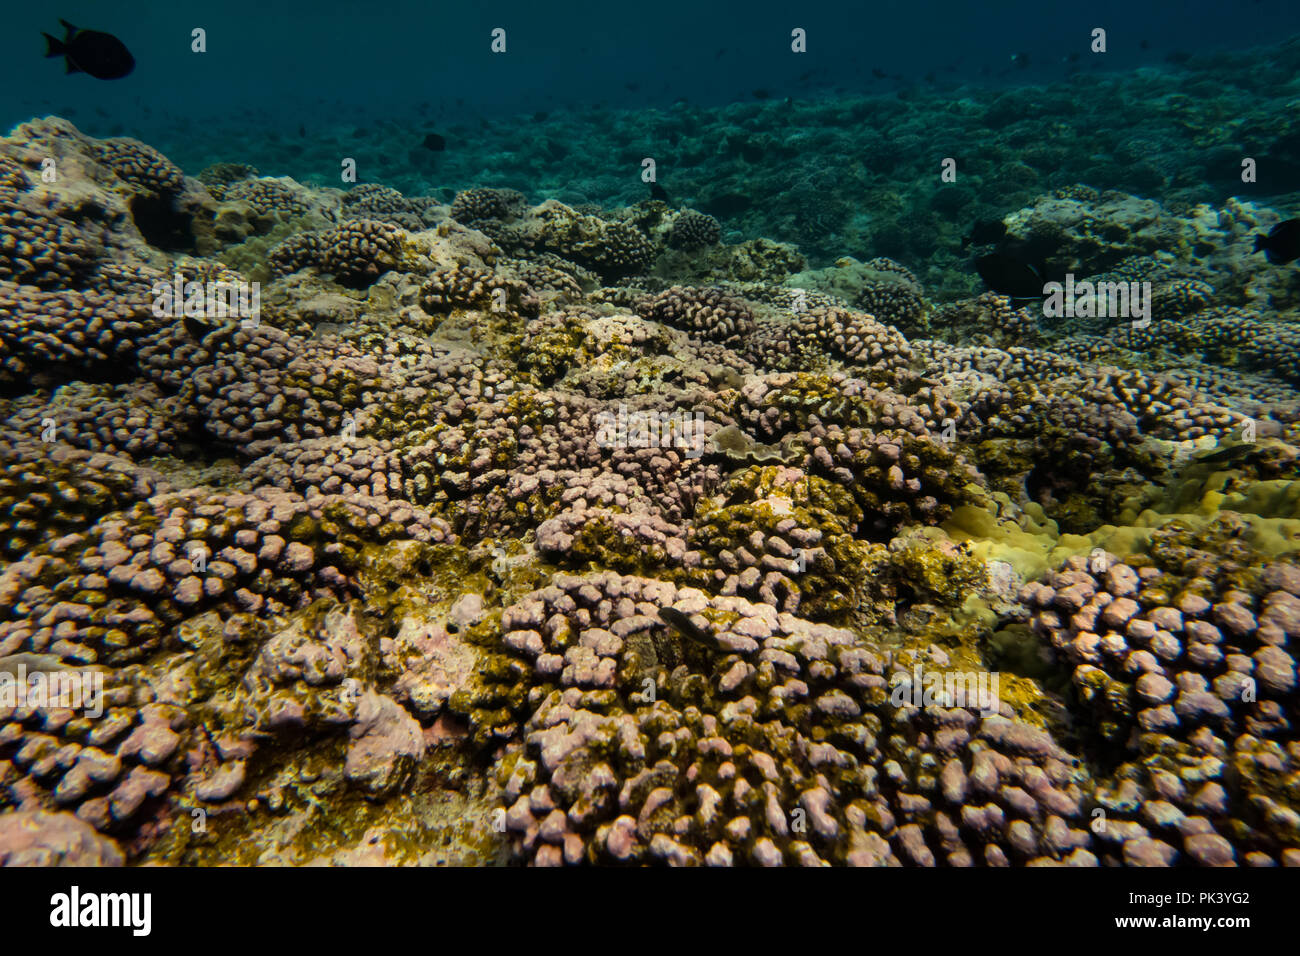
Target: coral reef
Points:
(500, 528)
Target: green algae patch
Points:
(306, 816)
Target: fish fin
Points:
(53, 45)
(69, 27)
(71, 67)
(194, 328)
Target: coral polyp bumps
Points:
(398, 572)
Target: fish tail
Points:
(1260, 240)
(53, 45)
(69, 27)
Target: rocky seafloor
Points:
(371, 581)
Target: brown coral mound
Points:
(747, 737)
(141, 166)
(709, 313)
(1182, 661)
(356, 252)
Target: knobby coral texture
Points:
(489, 528)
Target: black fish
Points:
(1007, 275)
(1224, 453)
(984, 232)
(1282, 244)
(100, 55)
(685, 625)
(658, 192)
(194, 328)
(434, 142)
(1020, 60)
(761, 94)
(879, 73)
(740, 496)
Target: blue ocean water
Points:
(272, 65)
(584, 91)
(302, 61)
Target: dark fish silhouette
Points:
(658, 192)
(194, 328)
(684, 625)
(434, 142)
(878, 73)
(1226, 453)
(96, 54)
(1009, 276)
(1282, 244)
(984, 232)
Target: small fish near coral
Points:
(1009, 276)
(1282, 244)
(684, 625)
(92, 52)
(984, 232)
